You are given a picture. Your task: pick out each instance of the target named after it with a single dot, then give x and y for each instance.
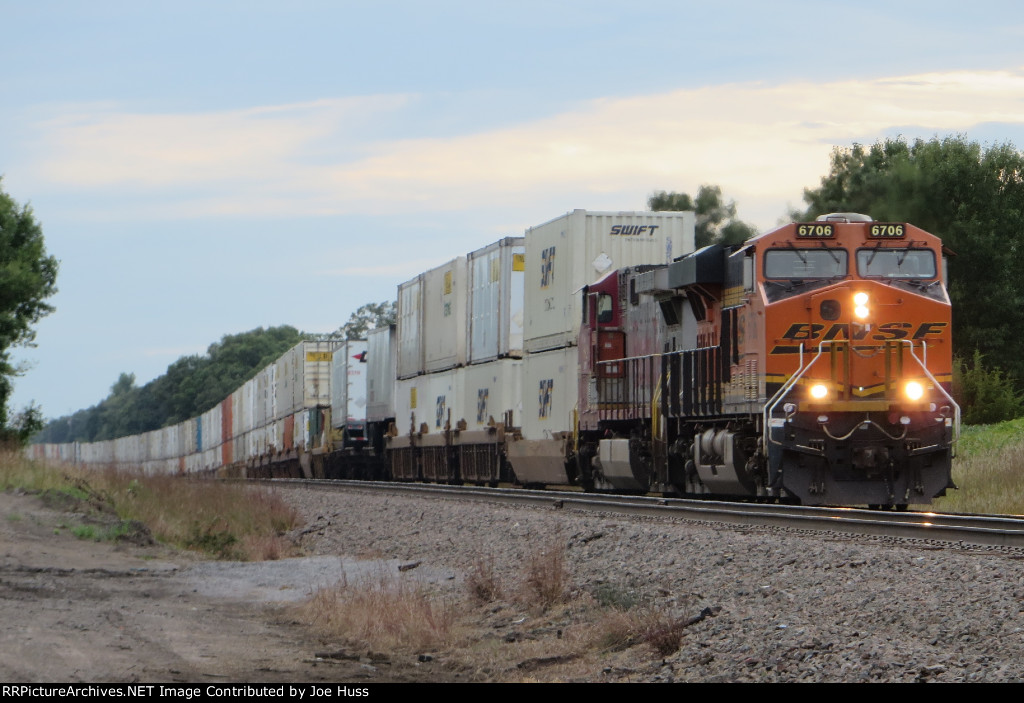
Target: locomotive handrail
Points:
(769, 408)
(706, 398)
(924, 367)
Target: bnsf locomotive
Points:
(812, 364)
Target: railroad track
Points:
(983, 530)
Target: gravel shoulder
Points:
(749, 603)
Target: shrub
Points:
(985, 395)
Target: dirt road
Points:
(78, 610)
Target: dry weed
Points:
(545, 577)
(388, 612)
(481, 581)
(265, 547)
(662, 630)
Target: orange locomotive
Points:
(812, 364)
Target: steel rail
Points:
(977, 530)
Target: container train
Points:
(812, 364)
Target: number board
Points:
(817, 230)
(881, 230)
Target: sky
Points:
(207, 168)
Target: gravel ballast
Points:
(761, 604)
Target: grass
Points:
(225, 520)
(388, 612)
(989, 470)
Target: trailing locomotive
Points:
(812, 364)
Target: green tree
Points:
(716, 219)
(28, 276)
(969, 195)
(368, 317)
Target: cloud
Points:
(762, 142)
(98, 149)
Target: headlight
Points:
(913, 390)
(860, 302)
(819, 391)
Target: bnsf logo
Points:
(888, 330)
(633, 230)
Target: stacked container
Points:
(574, 250)
(409, 324)
(431, 319)
(496, 277)
(348, 386)
(444, 316)
(303, 378)
(488, 392)
(430, 399)
(381, 366)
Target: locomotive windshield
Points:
(800, 264)
(896, 263)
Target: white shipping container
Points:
(316, 374)
(269, 395)
(192, 429)
(488, 391)
(303, 377)
(578, 248)
(445, 291)
(496, 299)
(211, 428)
(550, 392)
(244, 414)
(381, 367)
(348, 384)
(283, 380)
(428, 399)
(409, 328)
